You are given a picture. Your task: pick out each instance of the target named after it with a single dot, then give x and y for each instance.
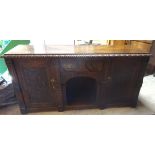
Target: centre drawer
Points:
(82, 65)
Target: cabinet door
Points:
(120, 86)
(34, 77)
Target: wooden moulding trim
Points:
(74, 55)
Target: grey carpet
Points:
(147, 92)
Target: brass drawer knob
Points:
(52, 83)
(108, 78)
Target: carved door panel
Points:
(34, 77)
(120, 83)
(123, 78)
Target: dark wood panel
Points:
(123, 81)
(35, 82)
(17, 87)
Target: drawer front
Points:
(82, 65)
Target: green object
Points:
(7, 45)
(3, 66)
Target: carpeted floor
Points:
(140, 110)
(146, 105)
(147, 92)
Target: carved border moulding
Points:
(73, 55)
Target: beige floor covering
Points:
(147, 92)
(140, 110)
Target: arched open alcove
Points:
(81, 90)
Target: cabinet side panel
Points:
(140, 75)
(17, 88)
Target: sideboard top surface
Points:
(68, 50)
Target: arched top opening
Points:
(81, 90)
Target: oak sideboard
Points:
(67, 77)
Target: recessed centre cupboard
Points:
(76, 77)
